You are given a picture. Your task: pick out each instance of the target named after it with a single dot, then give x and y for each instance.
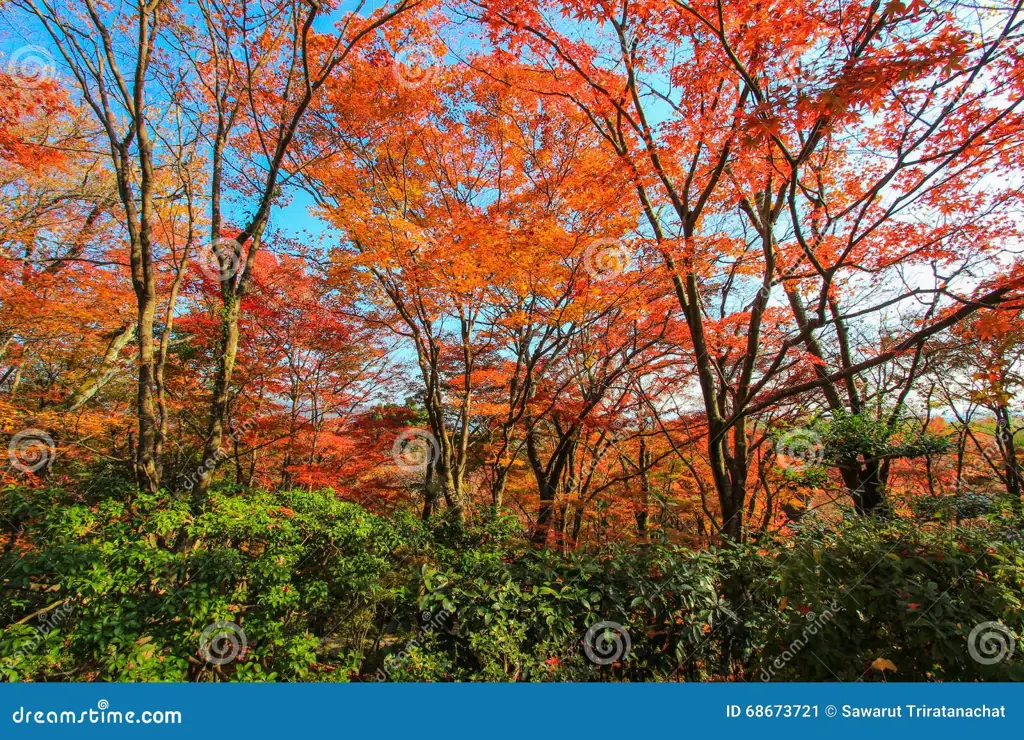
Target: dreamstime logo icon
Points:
(606, 642)
(221, 259)
(414, 450)
(606, 258)
(32, 65)
(799, 448)
(400, 660)
(415, 66)
(815, 622)
(999, 444)
(31, 450)
(48, 622)
(222, 642)
(190, 480)
(990, 643)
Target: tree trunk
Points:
(104, 372)
(545, 514)
(643, 512)
(228, 350)
(1008, 449)
(430, 491)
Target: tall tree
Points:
(112, 57)
(259, 73)
(722, 112)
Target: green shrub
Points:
(862, 597)
(528, 619)
(295, 571)
(124, 587)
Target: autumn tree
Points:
(458, 219)
(723, 114)
(981, 371)
(258, 73)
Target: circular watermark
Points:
(798, 449)
(220, 259)
(415, 66)
(222, 642)
(995, 448)
(32, 66)
(421, 243)
(30, 450)
(414, 450)
(606, 642)
(990, 643)
(606, 258)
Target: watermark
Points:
(991, 642)
(222, 643)
(431, 623)
(47, 622)
(606, 642)
(421, 243)
(606, 258)
(31, 450)
(101, 715)
(414, 450)
(415, 66)
(220, 259)
(197, 475)
(998, 447)
(799, 448)
(814, 624)
(31, 66)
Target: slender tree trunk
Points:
(545, 514)
(227, 352)
(645, 489)
(1008, 449)
(430, 491)
(145, 460)
(104, 372)
(168, 331)
(498, 487)
(577, 522)
(864, 481)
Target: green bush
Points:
(528, 619)
(126, 587)
(862, 598)
(297, 572)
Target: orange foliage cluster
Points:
(599, 264)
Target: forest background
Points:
(497, 340)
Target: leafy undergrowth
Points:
(298, 586)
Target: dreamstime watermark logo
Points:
(431, 623)
(814, 624)
(606, 642)
(606, 258)
(31, 66)
(799, 448)
(991, 642)
(997, 448)
(414, 450)
(415, 66)
(31, 450)
(220, 259)
(197, 475)
(47, 622)
(101, 715)
(222, 643)
(421, 243)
